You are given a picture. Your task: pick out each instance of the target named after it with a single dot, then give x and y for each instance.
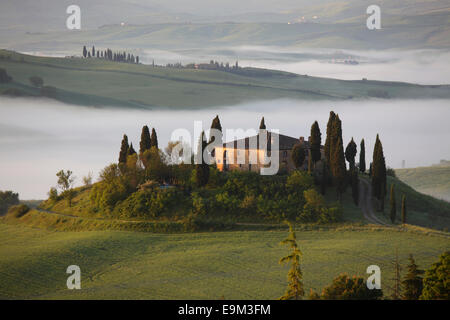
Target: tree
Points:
(338, 168)
(8, 199)
(355, 186)
(310, 162)
(262, 124)
(396, 295)
(295, 290)
(362, 157)
(65, 182)
(4, 76)
(123, 150)
(350, 154)
(379, 173)
(87, 180)
(393, 204)
(298, 155)
(131, 150)
(217, 126)
(65, 179)
(328, 140)
(93, 51)
(202, 168)
(413, 282)
(345, 287)
(436, 282)
(154, 139)
(36, 81)
(315, 142)
(403, 209)
(145, 143)
(84, 51)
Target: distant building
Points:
(227, 156)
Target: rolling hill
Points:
(97, 82)
(406, 24)
(434, 180)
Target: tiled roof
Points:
(285, 142)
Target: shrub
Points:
(436, 283)
(344, 287)
(8, 199)
(18, 211)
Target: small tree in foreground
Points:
(413, 282)
(345, 287)
(436, 283)
(295, 289)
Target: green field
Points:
(233, 265)
(96, 82)
(434, 181)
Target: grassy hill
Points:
(338, 25)
(103, 83)
(422, 209)
(434, 180)
(233, 265)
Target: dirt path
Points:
(365, 203)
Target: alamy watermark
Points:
(374, 20)
(73, 22)
(74, 280)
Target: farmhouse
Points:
(247, 154)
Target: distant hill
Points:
(97, 82)
(408, 24)
(434, 180)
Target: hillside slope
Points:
(100, 82)
(232, 265)
(434, 180)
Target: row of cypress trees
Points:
(147, 142)
(108, 54)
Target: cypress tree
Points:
(393, 204)
(362, 157)
(262, 124)
(413, 282)
(295, 289)
(355, 186)
(84, 51)
(403, 209)
(202, 168)
(396, 295)
(123, 150)
(350, 154)
(131, 150)
(315, 142)
(145, 140)
(298, 155)
(154, 139)
(379, 173)
(215, 125)
(324, 181)
(93, 51)
(310, 162)
(328, 140)
(338, 168)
